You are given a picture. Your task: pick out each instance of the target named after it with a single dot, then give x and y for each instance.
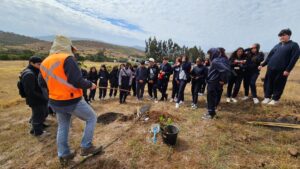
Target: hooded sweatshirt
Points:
(220, 68)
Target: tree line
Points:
(158, 49)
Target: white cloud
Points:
(227, 23)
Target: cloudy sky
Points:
(206, 23)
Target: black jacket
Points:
(153, 73)
(199, 73)
(253, 61)
(34, 94)
(237, 67)
(103, 76)
(113, 76)
(93, 77)
(167, 68)
(176, 70)
(283, 56)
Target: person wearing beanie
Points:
(141, 80)
(34, 96)
(254, 57)
(62, 76)
(281, 61)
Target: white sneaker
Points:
(273, 103)
(181, 102)
(255, 100)
(155, 101)
(177, 105)
(266, 101)
(234, 100)
(201, 94)
(245, 98)
(228, 100)
(194, 107)
(171, 100)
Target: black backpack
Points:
(20, 85)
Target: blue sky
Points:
(205, 23)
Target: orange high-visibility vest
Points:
(52, 70)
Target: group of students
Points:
(57, 82)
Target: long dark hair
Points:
(92, 69)
(223, 52)
(234, 54)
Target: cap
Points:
(35, 59)
(151, 60)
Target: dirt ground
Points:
(226, 142)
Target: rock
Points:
(293, 152)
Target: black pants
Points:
(175, 88)
(38, 117)
(163, 86)
(133, 87)
(196, 88)
(140, 87)
(113, 89)
(152, 90)
(182, 85)
(125, 86)
(250, 82)
(102, 90)
(203, 86)
(214, 93)
(236, 82)
(274, 84)
(92, 94)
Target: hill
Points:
(12, 41)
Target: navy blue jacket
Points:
(283, 56)
(141, 74)
(114, 76)
(199, 73)
(220, 68)
(253, 61)
(93, 77)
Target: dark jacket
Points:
(167, 68)
(176, 70)
(74, 77)
(253, 61)
(220, 68)
(237, 67)
(141, 74)
(153, 73)
(185, 70)
(93, 77)
(283, 56)
(34, 94)
(113, 76)
(84, 73)
(103, 76)
(199, 73)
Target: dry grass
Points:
(227, 142)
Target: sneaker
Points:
(171, 100)
(177, 105)
(200, 94)
(255, 100)
(181, 102)
(64, 160)
(234, 100)
(194, 106)
(266, 101)
(91, 150)
(207, 117)
(155, 101)
(245, 98)
(273, 103)
(228, 100)
(39, 133)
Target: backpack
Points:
(19, 83)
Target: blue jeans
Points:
(84, 112)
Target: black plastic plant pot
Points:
(169, 134)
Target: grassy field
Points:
(227, 142)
